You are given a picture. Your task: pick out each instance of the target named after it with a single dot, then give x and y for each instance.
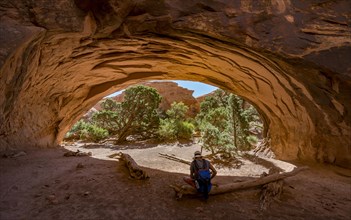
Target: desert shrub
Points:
(167, 130)
(86, 131)
(185, 130)
(93, 133)
(74, 132)
(252, 139)
(176, 126)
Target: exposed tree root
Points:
(134, 170)
(270, 191)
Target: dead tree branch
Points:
(177, 159)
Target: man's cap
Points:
(197, 154)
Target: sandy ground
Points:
(43, 184)
(149, 156)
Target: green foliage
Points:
(252, 139)
(225, 122)
(80, 125)
(93, 133)
(185, 130)
(167, 130)
(174, 127)
(177, 111)
(74, 132)
(211, 137)
(138, 111)
(239, 122)
(135, 115)
(110, 105)
(86, 131)
(106, 119)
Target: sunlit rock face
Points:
(291, 59)
(171, 92)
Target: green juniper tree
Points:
(107, 117)
(224, 123)
(135, 115)
(239, 122)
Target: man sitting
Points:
(201, 173)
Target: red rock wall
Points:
(289, 58)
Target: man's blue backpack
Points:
(204, 178)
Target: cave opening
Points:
(288, 58)
(82, 71)
(189, 116)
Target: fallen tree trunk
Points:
(177, 159)
(134, 170)
(109, 140)
(219, 189)
(78, 153)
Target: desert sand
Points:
(43, 184)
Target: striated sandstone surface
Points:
(291, 59)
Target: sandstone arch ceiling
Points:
(67, 60)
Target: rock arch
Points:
(56, 74)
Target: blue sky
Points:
(199, 88)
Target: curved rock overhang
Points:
(57, 74)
